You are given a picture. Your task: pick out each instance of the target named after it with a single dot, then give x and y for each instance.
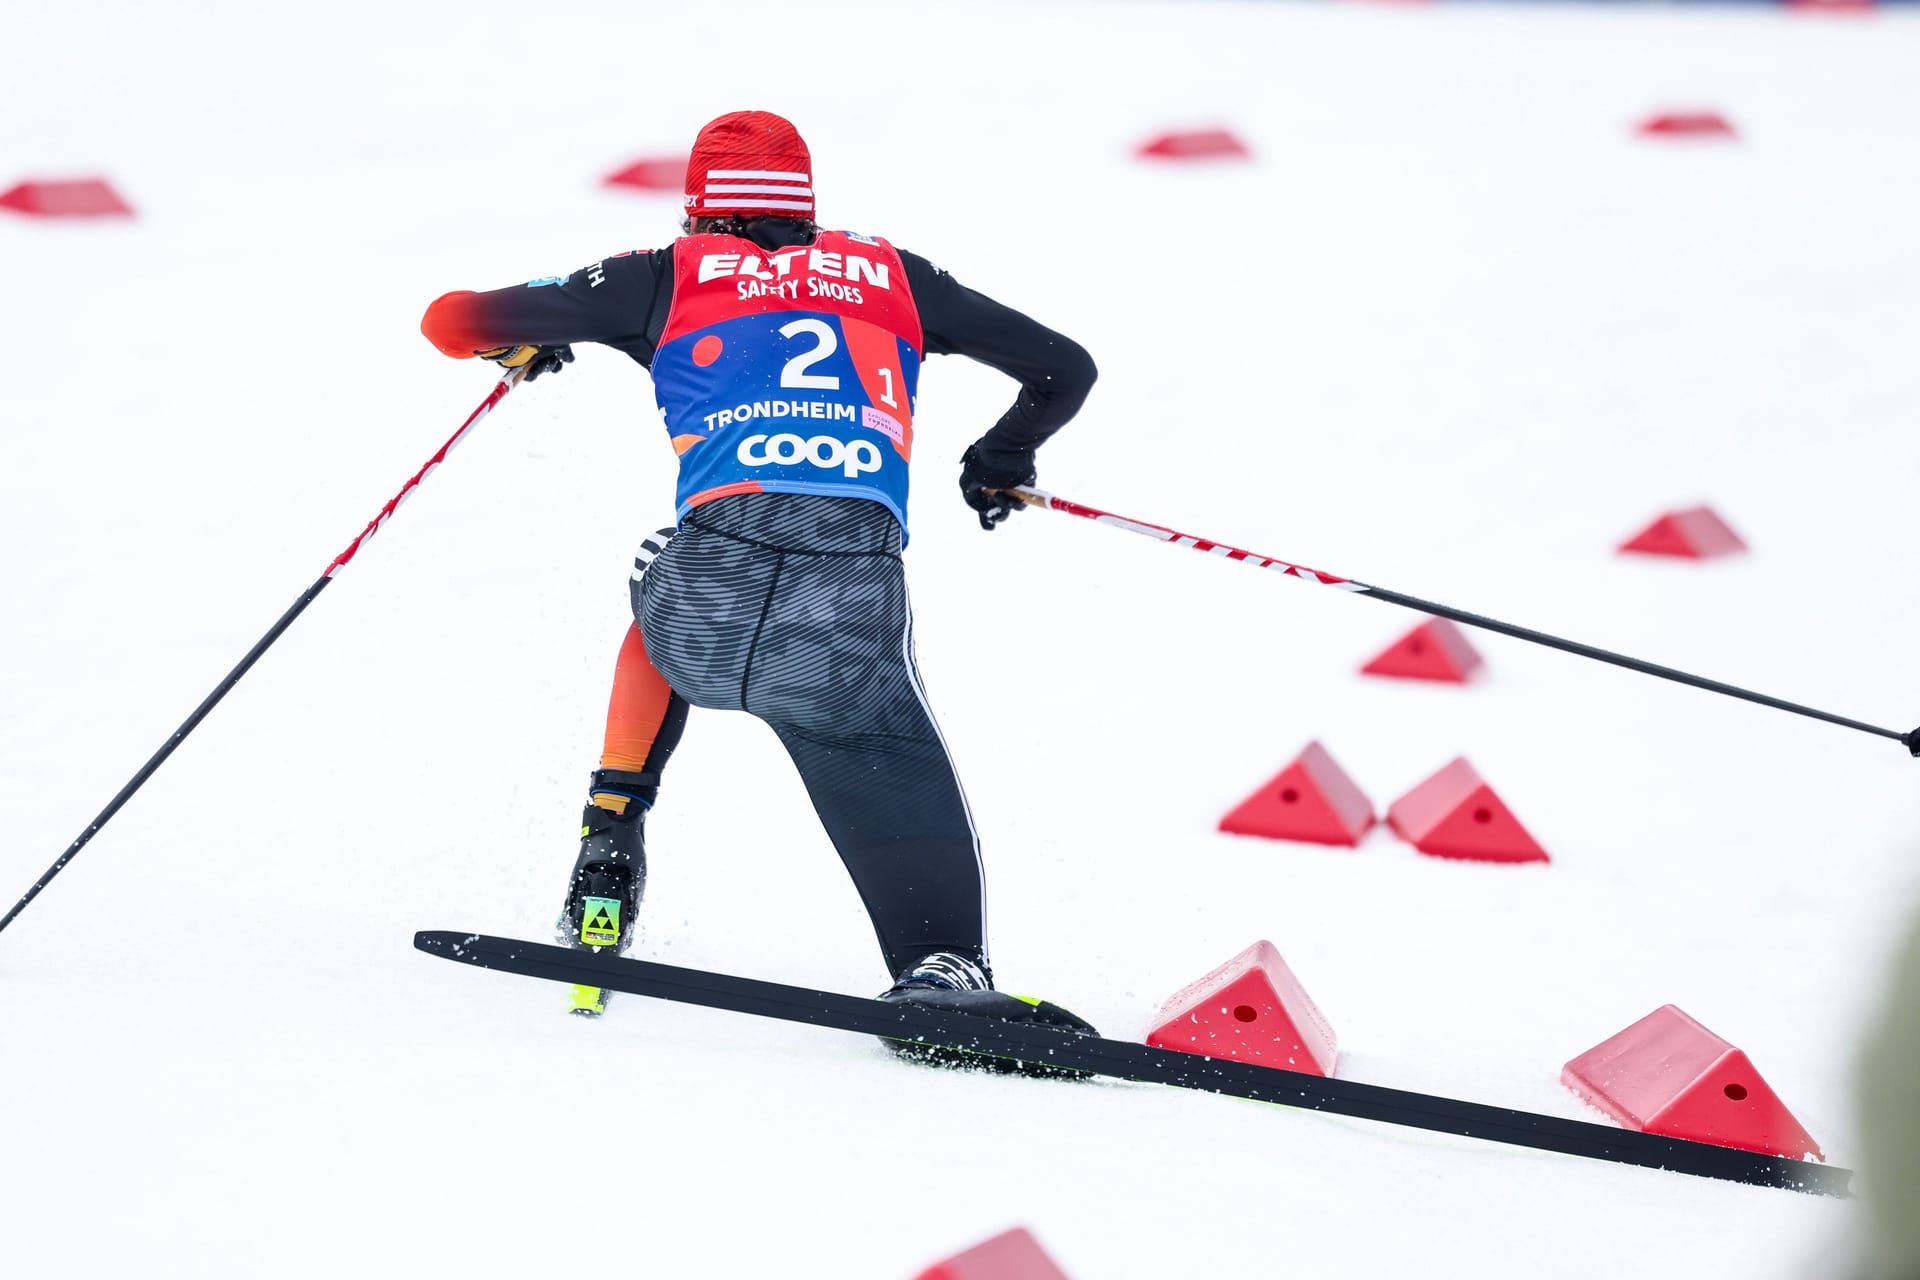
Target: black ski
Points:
(1127, 1061)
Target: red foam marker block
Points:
(72, 198)
(1697, 533)
(1435, 650)
(1687, 124)
(1250, 1009)
(1011, 1255)
(1839, 7)
(1311, 799)
(1197, 144)
(1455, 814)
(1669, 1075)
(657, 173)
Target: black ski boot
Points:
(944, 980)
(609, 877)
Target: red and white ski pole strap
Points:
(499, 393)
(1041, 498)
(1160, 533)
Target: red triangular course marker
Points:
(656, 173)
(1311, 799)
(1011, 1255)
(1435, 650)
(1250, 1009)
(1455, 814)
(69, 198)
(1196, 144)
(1687, 124)
(1696, 533)
(1669, 1075)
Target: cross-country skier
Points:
(785, 359)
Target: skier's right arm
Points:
(613, 302)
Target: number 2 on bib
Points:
(794, 372)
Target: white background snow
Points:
(1453, 331)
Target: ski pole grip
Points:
(1913, 742)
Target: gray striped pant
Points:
(794, 608)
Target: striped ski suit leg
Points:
(795, 608)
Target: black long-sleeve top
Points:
(622, 302)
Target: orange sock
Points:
(635, 713)
(637, 707)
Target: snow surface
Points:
(1453, 331)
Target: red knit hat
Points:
(749, 163)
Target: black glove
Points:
(981, 472)
(538, 360)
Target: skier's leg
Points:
(833, 672)
(847, 701)
(645, 719)
(794, 607)
(699, 606)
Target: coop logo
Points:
(825, 452)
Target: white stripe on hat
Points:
(774, 174)
(754, 188)
(756, 204)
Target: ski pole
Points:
(340, 562)
(1040, 498)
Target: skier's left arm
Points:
(1055, 374)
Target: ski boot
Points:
(945, 980)
(608, 879)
